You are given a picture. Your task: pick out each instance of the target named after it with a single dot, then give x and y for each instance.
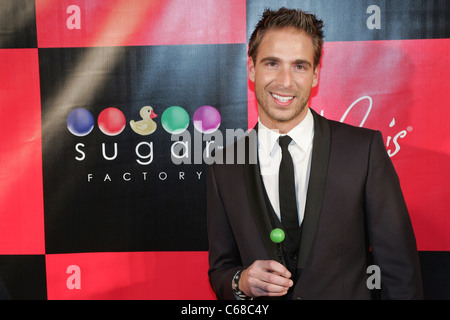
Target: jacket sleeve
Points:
(224, 259)
(389, 227)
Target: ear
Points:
(251, 69)
(316, 76)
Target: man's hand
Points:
(265, 278)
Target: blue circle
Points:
(80, 122)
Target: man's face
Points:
(283, 74)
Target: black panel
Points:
(146, 213)
(347, 20)
(17, 24)
(436, 276)
(24, 277)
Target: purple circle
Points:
(80, 122)
(206, 119)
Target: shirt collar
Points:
(301, 134)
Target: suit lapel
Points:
(316, 187)
(255, 193)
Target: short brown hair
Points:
(288, 18)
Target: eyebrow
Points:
(275, 59)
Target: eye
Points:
(271, 64)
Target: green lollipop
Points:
(277, 235)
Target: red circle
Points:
(111, 121)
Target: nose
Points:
(285, 78)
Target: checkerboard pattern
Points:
(111, 216)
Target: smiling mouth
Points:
(282, 99)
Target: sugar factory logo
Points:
(145, 126)
(174, 120)
(112, 121)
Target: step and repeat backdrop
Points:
(109, 110)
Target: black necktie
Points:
(286, 188)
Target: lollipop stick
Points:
(277, 236)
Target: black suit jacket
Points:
(355, 216)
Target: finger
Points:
(265, 278)
(256, 282)
(271, 271)
(262, 293)
(263, 288)
(277, 268)
(276, 279)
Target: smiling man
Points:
(329, 186)
(284, 73)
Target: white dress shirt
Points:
(269, 153)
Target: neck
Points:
(282, 127)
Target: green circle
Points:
(175, 120)
(277, 235)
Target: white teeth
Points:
(282, 99)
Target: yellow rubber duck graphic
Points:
(145, 126)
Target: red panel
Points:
(129, 275)
(21, 196)
(89, 23)
(405, 83)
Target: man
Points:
(350, 212)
